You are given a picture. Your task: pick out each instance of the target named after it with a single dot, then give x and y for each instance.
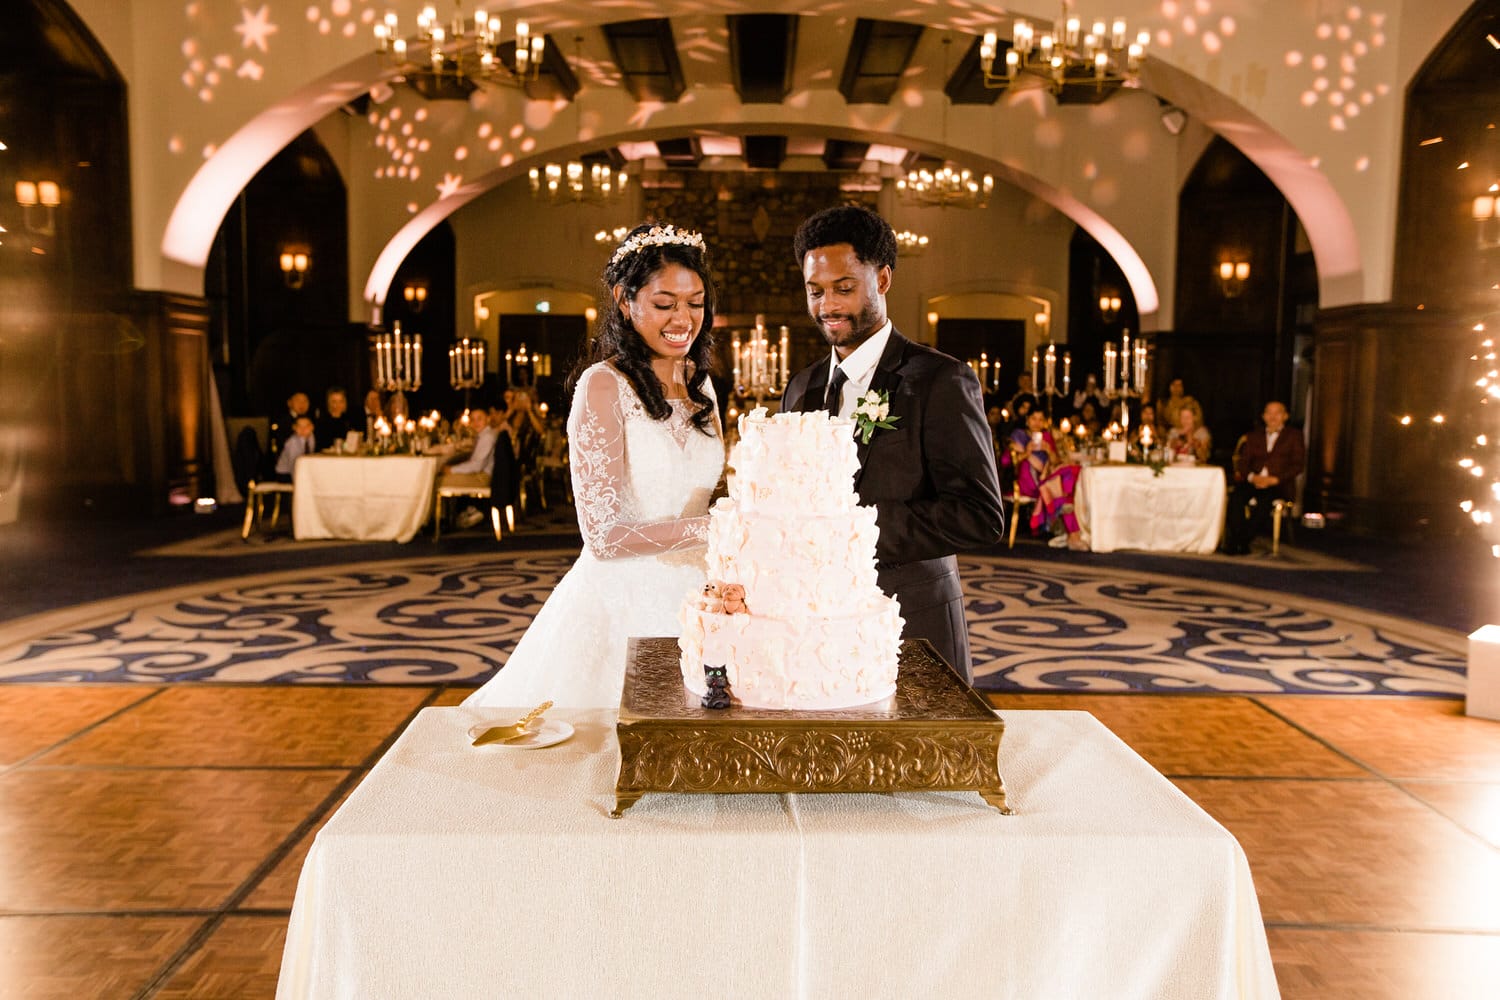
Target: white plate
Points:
(549, 733)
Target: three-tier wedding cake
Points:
(792, 611)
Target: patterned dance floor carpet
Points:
(1034, 626)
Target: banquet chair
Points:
(1017, 501)
(530, 476)
(255, 503)
(553, 460)
(497, 492)
(1285, 508)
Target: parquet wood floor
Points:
(150, 841)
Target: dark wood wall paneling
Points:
(102, 391)
(1455, 98)
(1376, 363)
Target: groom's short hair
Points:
(872, 238)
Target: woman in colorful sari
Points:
(1042, 474)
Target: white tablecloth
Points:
(349, 496)
(461, 872)
(1128, 507)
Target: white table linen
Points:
(384, 498)
(456, 872)
(1128, 507)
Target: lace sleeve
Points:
(601, 479)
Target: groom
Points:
(931, 477)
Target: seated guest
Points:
(1188, 440)
(475, 470)
(1089, 419)
(1088, 392)
(1266, 470)
(302, 442)
(373, 412)
(1025, 393)
(523, 421)
(297, 405)
(1176, 400)
(1041, 473)
(1148, 419)
(334, 425)
(995, 417)
(1020, 410)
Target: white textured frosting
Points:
(793, 567)
(824, 663)
(794, 463)
(816, 632)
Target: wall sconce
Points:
(415, 295)
(1232, 276)
(932, 321)
(1486, 213)
(294, 265)
(590, 314)
(1109, 307)
(31, 195)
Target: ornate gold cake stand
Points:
(934, 734)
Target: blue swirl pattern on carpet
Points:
(1034, 626)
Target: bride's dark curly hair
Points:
(618, 340)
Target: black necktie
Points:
(834, 398)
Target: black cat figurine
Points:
(718, 695)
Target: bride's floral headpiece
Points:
(656, 236)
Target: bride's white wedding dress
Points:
(642, 488)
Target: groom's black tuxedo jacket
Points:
(931, 479)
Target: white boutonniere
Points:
(873, 410)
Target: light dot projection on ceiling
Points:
(217, 52)
(1333, 60)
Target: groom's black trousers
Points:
(932, 602)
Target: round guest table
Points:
(384, 498)
(1130, 507)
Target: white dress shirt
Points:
(1271, 437)
(482, 458)
(296, 446)
(859, 367)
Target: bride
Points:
(646, 451)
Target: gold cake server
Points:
(500, 734)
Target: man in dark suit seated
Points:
(297, 405)
(1266, 470)
(931, 477)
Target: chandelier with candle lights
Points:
(910, 244)
(462, 55)
(948, 186)
(1074, 64)
(575, 181)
